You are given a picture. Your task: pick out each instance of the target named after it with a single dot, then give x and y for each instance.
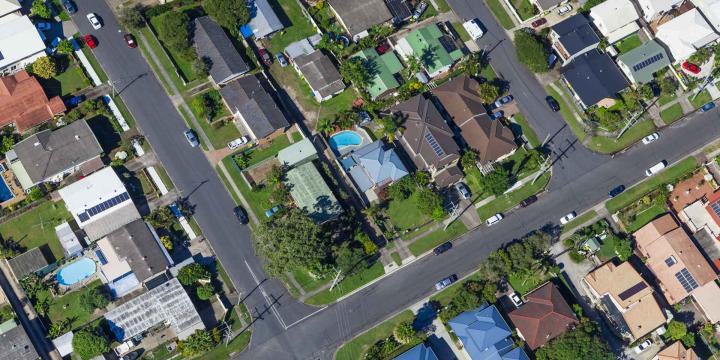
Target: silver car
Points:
(462, 190)
(191, 138)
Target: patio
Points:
(12, 184)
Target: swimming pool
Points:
(5, 193)
(344, 139)
(77, 271)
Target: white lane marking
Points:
(267, 298)
(307, 316)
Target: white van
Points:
(473, 28)
(656, 168)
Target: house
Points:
(298, 153)
(310, 193)
(428, 140)
(68, 239)
(484, 333)
(492, 140)
(544, 316)
(616, 19)
(573, 37)
(640, 64)
(63, 343)
(99, 203)
(298, 48)
(213, 45)
(166, 304)
(20, 45)
(685, 34)
(678, 265)
(547, 5)
(437, 52)
(251, 100)
(655, 9)
(374, 167)
(625, 298)
(320, 73)
(385, 71)
(263, 20)
(400, 10)
(15, 343)
(9, 9)
(29, 262)
(676, 351)
(50, 155)
(357, 17)
(711, 10)
(23, 102)
(594, 79)
(418, 352)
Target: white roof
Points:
(19, 39)
(685, 34)
(652, 8)
(9, 6)
(711, 10)
(70, 243)
(64, 343)
(613, 15)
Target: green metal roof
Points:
(384, 66)
(297, 153)
(7, 326)
(426, 45)
(311, 193)
(640, 62)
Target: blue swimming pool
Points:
(5, 193)
(345, 138)
(77, 271)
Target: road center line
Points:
(267, 298)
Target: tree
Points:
(45, 67)
(64, 47)
(497, 182)
(192, 273)
(60, 327)
(167, 243)
(35, 194)
(161, 217)
(131, 17)
(646, 91)
(468, 160)
(94, 298)
(325, 125)
(488, 292)
(40, 9)
(404, 333)
(677, 331)
(349, 260)
(355, 70)
(201, 67)
(205, 291)
(368, 245)
(242, 159)
(488, 92)
(89, 344)
(10, 248)
(531, 51)
(473, 64)
(623, 249)
(229, 14)
(668, 86)
(403, 188)
(42, 305)
(430, 204)
(199, 342)
(582, 342)
(422, 178)
(389, 126)
(7, 143)
(173, 31)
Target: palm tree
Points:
(325, 125)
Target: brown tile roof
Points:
(544, 316)
(23, 102)
(676, 351)
(689, 191)
(448, 176)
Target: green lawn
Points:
(258, 154)
(165, 62)
(525, 283)
(500, 14)
(666, 98)
(37, 227)
(355, 348)
(437, 237)
(525, 9)
(645, 217)
(672, 114)
(464, 36)
(219, 133)
(183, 65)
(668, 175)
(701, 99)
(213, 104)
(567, 112)
(307, 282)
(404, 214)
(60, 10)
(300, 27)
(579, 221)
(347, 285)
(259, 200)
(473, 179)
(608, 145)
(442, 6)
(67, 82)
(508, 201)
(629, 43)
(68, 307)
(527, 130)
(224, 351)
(396, 258)
(229, 188)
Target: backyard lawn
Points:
(500, 14)
(300, 27)
(508, 201)
(701, 99)
(348, 284)
(628, 43)
(354, 348)
(68, 306)
(404, 214)
(66, 82)
(672, 114)
(437, 237)
(37, 227)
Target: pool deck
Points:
(17, 191)
(350, 148)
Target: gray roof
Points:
(400, 9)
(15, 345)
(124, 214)
(575, 33)
(320, 72)
(136, 244)
(594, 76)
(546, 5)
(265, 21)
(358, 16)
(300, 47)
(28, 263)
(645, 60)
(212, 43)
(376, 166)
(298, 153)
(250, 97)
(48, 153)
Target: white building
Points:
(686, 34)
(654, 9)
(20, 44)
(711, 10)
(616, 19)
(9, 9)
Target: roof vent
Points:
(37, 143)
(77, 137)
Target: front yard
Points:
(65, 83)
(353, 349)
(437, 237)
(525, 9)
(701, 99)
(404, 214)
(672, 114)
(36, 227)
(506, 202)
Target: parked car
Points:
(131, 356)
(419, 10)
(616, 191)
(442, 248)
(567, 218)
(539, 22)
(565, 9)
(462, 190)
(191, 138)
(473, 28)
(282, 60)
(130, 40)
(264, 56)
(69, 6)
(90, 41)
(496, 115)
(365, 117)
(650, 138)
(552, 103)
(237, 143)
(240, 214)
(643, 346)
(503, 101)
(74, 101)
(382, 48)
(691, 67)
(273, 211)
(446, 282)
(94, 21)
(529, 200)
(656, 168)
(707, 107)
(515, 298)
(42, 26)
(494, 219)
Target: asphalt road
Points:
(34, 327)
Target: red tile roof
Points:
(544, 316)
(23, 102)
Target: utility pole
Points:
(544, 167)
(634, 119)
(453, 214)
(336, 280)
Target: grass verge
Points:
(506, 202)
(348, 285)
(527, 130)
(437, 237)
(354, 348)
(579, 221)
(500, 14)
(672, 114)
(609, 145)
(568, 113)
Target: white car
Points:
(565, 9)
(656, 168)
(650, 138)
(643, 346)
(94, 21)
(237, 143)
(473, 28)
(516, 299)
(567, 218)
(494, 219)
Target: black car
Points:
(552, 103)
(616, 191)
(529, 200)
(241, 215)
(69, 6)
(442, 248)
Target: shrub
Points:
(89, 344)
(531, 51)
(45, 67)
(191, 273)
(205, 291)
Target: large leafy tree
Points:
(173, 31)
(678, 331)
(531, 51)
(355, 70)
(230, 14)
(45, 67)
(89, 344)
(161, 217)
(583, 342)
(430, 203)
(349, 259)
(131, 17)
(404, 333)
(200, 342)
(192, 273)
(94, 298)
(488, 92)
(40, 9)
(497, 182)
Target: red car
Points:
(382, 48)
(130, 40)
(265, 56)
(691, 67)
(539, 22)
(89, 41)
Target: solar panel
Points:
(447, 43)
(651, 60)
(716, 208)
(633, 290)
(434, 144)
(83, 217)
(670, 261)
(686, 280)
(105, 205)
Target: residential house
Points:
(320, 73)
(385, 71)
(436, 51)
(625, 298)
(547, 5)
(99, 203)
(544, 316)
(311, 193)
(594, 79)
(492, 140)
(68, 239)
(428, 140)
(676, 351)
(63, 343)
(640, 64)
(298, 153)
(484, 334)
(23, 103)
(263, 20)
(685, 34)
(213, 45)
(418, 352)
(679, 267)
(166, 304)
(357, 17)
(15, 343)
(373, 167)
(251, 100)
(400, 10)
(31, 261)
(50, 155)
(298, 48)
(616, 19)
(9, 9)
(20, 45)
(573, 37)
(654, 10)
(711, 10)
